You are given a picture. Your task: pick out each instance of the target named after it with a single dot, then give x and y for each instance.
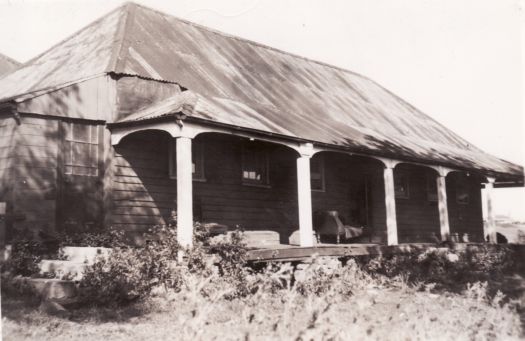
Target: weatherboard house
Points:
(141, 114)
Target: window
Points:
(432, 194)
(317, 182)
(401, 186)
(81, 149)
(197, 157)
(255, 165)
(462, 192)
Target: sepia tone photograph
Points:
(262, 170)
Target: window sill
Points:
(251, 184)
(195, 179)
(319, 190)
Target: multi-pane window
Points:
(197, 158)
(401, 186)
(81, 149)
(255, 165)
(317, 181)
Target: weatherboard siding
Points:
(139, 192)
(93, 99)
(143, 194)
(34, 183)
(417, 216)
(465, 217)
(7, 132)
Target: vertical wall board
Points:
(92, 99)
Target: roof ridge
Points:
(71, 36)
(9, 59)
(246, 40)
(118, 52)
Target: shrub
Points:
(26, 253)
(131, 273)
(317, 277)
(229, 254)
(99, 238)
(448, 269)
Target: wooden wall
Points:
(354, 187)
(417, 216)
(138, 192)
(39, 195)
(93, 99)
(465, 217)
(7, 132)
(33, 162)
(144, 195)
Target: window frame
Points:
(265, 178)
(68, 148)
(321, 173)
(197, 147)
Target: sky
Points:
(459, 61)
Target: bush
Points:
(230, 255)
(26, 253)
(448, 269)
(101, 238)
(132, 273)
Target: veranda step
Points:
(81, 254)
(50, 289)
(261, 238)
(63, 269)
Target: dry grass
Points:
(338, 304)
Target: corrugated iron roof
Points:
(7, 65)
(247, 84)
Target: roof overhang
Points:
(178, 110)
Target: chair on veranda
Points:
(331, 225)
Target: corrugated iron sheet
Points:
(85, 54)
(247, 84)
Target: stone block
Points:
(88, 255)
(63, 269)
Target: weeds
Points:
(213, 293)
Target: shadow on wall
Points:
(143, 192)
(41, 196)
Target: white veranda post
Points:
(491, 223)
(304, 196)
(390, 204)
(184, 192)
(442, 206)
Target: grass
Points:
(324, 304)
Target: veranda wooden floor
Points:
(291, 253)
